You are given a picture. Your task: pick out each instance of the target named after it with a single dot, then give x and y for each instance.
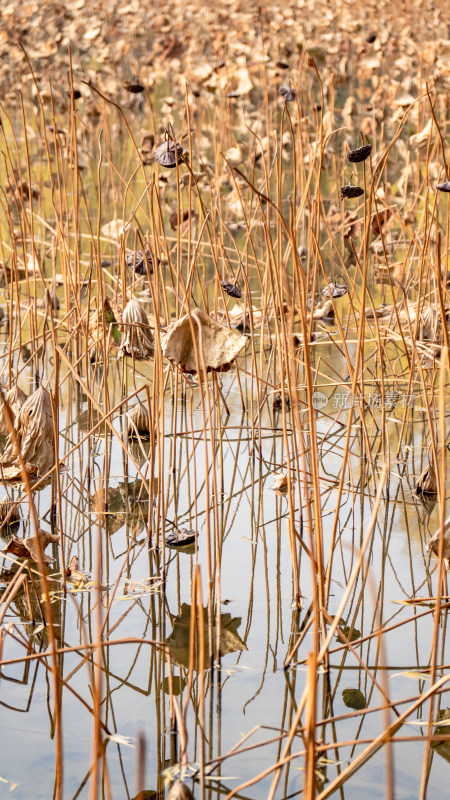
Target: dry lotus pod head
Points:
(9, 517)
(139, 422)
(360, 154)
(34, 433)
(231, 288)
(335, 290)
(216, 345)
(350, 191)
(137, 339)
(426, 483)
(168, 155)
(286, 93)
(444, 187)
(179, 791)
(138, 262)
(15, 399)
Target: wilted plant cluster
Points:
(224, 355)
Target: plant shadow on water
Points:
(224, 382)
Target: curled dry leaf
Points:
(280, 483)
(427, 482)
(231, 288)
(444, 187)
(74, 573)
(139, 422)
(114, 229)
(138, 262)
(215, 345)
(29, 547)
(181, 538)
(241, 319)
(15, 399)
(180, 791)
(34, 436)
(335, 290)
(324, 311)
(137, 338)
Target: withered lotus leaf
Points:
(73, 571)
(15, 399)
(29, 547)
(137, 338)
(427, 482)
(181, 537)
(197, 333)
(34, 435)
(139, 420)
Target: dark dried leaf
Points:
(360, 154)
(444, 187)
(350, 191)
(139, 263)
(175, 221)
(286, 93)
(231, 288)
(166, 155)
(335, 290)
(181, 538)
(277, 404)
(134, 87)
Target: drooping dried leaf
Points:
(444, 187)
(134, 87)
(216, 345)
(137, 339)
(29, 547)
(166, 155)
(181, 538)
(176, 219)
(277, 404)
(138, 262)
(240, 319)
(114, 229)
(34, 435)
(286, 93)
(427, 482)
(74, 573)
(324, 311)
(350, 191)
(139, 422)
(335, 290)
(231, 288)
(15, 399)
